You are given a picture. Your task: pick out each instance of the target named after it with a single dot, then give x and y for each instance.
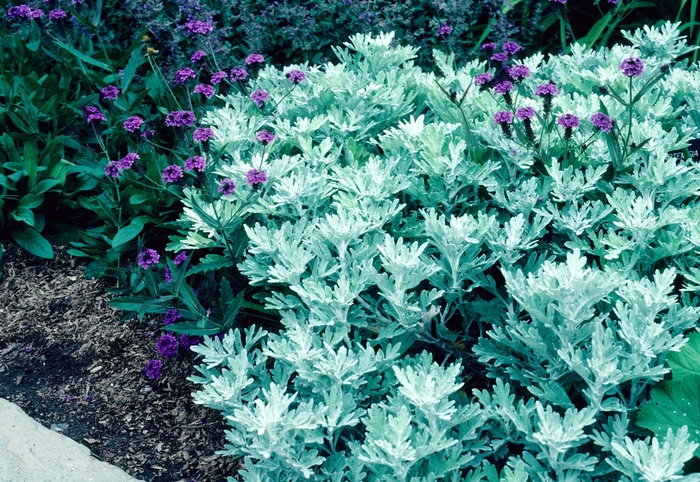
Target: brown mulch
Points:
(69, 363)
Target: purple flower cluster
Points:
(188, 341)
(180, 118)
(264, 137)
(148, 258)
(632, 67)
(444, 30)
(510, 48)
(255, 177)
(198, 27)
(57, 14)
(112, 169)
(24, 11)
(525, 113)
(254, 59)
(259, 97)
(488, 46)
(152, 369)
(238, 74)
(568, 121)
(182, 76)
(148, 134)
(167, 345)
(110, 92)
(218, 77)
(202, 134)
(194, 163)
(204, 89)
(545, 90)
(172, 173)
(198, 55)
(171, 315)
(92, 114)
(133, 123)
(168, 274)
(503, 87)
(127, 161)
(503, 117)
(296, 76)
(226, 187)
(499, 57)
(483, 79)
(519, 72)
(180, 258)
(602, 122)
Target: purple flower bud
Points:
(167, 345)
(110, 92)
(57, 14)
(202, 134)
(152, 369)
(148, 258)
(499, 57)
(204, 89)
(519, 72)
(238, 74)
(168, 275)
(198, 27)
(193, 163)
(180, 258)
(264, 137)
(255, 177)
(226, 187)
(92, 114)
(182, 76)
(511, 48)
(172, 173)
(602, 122)
(503, 117)
(444, 30)
(171, 315)
(632, 67)
(568, 121)
(254, 59)
(483, 79)
(488, 46)
(259, 97)
(112, 169)
(296, 76)
(127, 161)
(525, 113)
(197, 56)
(218, 77)
(545, 90)
(180, 118)
(133, 123)
(503, 87)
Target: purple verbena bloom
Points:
(202, 134)
(500, 57)
(488, 46)
(112, 169)
(568, 121)
(296, 76)
(168, 275)
(602, 122)
(152, 369)
(110, 92)
(167, 345)
(254, 59)
(188, 341)
(172, 173)
(180, 118)
(127, 161)
(194, 163)
(36, 13)
(614, 2)
(92, 114)
(226, 187)
(148, 257)
(511, 48)
(184, 75)
(260, 96)
(503, 87)
(148, 134)
(238, 74)
(198, 55)
(204, 89)
(198, 27)
(444, 30)
(632, 66)
(170, 316)
(503, 117)
(218, 77)
(264, 137)
(255, 176)
(525, 113)
(180, 258)
(20, 11)
(57, 14)
(519, 72)
(549, 89)
(483, 79)
(133, 123)
(558, 1)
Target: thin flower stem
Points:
(156, 69)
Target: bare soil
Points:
(69, 363)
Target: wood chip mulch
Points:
(69, 363)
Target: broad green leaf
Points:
(673, 405)
(210, 263)
(687, 361)
(31, 201)
(30, 240)
(24, 215)
(30, 160)
(130, 231)
(200, 328)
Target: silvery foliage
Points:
(396, 221)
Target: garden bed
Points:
(67, 362)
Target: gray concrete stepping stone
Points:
(30, 452)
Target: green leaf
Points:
(129, 232)
(687, 361)
(210, 263)
(200, 328)
(85, 58)
(673, 405)
(31, 201)
(30, 160)
(30, 240)
(24, 215)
